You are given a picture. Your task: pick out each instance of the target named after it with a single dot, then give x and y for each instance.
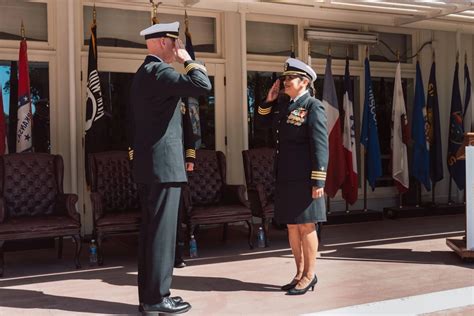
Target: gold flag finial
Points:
(186, 23)
(329, 49)
(398, 56)
(22, 30)
(94, 15)
(154, 19)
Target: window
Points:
(39, 88)
(115, 92)
(261, 39)
(121, 28)
(34, 16)
(400, 42)
(338, 50)
(258, 84)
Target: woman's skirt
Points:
(294, 204)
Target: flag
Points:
(336, 168)
(399, 139)
(13, 108)
(421, 156)
(434, 133)
(369, 134)
(95, 129)
(467, 116)
(24, 140)
(191, 102)
(351, 183)
(3, 130)
(457, 168)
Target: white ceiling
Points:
(449, 15)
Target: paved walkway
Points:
(366, 268)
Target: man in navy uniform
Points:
(158, 159)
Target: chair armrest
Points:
(234, 194)
(67, 202)
(2, 209)
(257, 196)
(97, 205)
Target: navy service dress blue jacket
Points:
(157, 118)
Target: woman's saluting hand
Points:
(273, 92)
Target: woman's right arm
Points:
(264, 111)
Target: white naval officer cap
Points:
(161, 30)
(295, 66)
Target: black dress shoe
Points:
(167, 305)
(177, 299)
(179, 264)
(295, 291)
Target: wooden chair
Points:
(260, 180)
(208, 199)
(114, 196)
(33, 204)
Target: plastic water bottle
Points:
(193, 250)
(92, 253)
(261, 238)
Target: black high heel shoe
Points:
(290, 285)
(302, 291)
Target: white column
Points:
(470, 197)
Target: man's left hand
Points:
(190, 166)
(317, 192)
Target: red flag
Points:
(351, 183)
(24, 141)
(336, 168)
(3, 131)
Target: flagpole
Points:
(365, 153)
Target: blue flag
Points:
(369, 134)
(457, 168)
(434, 133)
(420, 168)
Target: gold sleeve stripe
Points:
(264, 111)
(130, 153)
(318, 178)
(193, 66)
(190, 153)
(321, 173)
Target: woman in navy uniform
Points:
(299, 123)
(158, 159)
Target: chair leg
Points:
(266, 225)
(224, 234)
(100, 257)
(1, 258)
(250, 225)
(319, 230)
(60, 247)
(78, 240)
